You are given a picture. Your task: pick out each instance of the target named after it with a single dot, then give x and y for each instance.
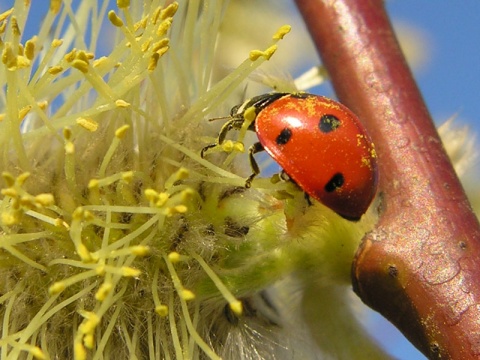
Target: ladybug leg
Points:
(209, 146)
(307, 197)
(255, 148)
(234, 123)
(284, 176)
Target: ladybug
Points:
(320, 144)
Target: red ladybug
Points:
(319, 143)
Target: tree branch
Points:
(420, 266)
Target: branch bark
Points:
(420, 266)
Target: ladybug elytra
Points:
(319, 143)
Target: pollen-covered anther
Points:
(152, 63)
(11, 217)
(88, 124)
(15, 28)
(43, 200)
(90, 324)
(128, 271)
(103, 291)
(169, 11)
(84, 253)
(161, 310)
(55, 6)
(21, 201)
(70, 56)
(141, 24)
(151, 195)
(30, 49)
(267, 54)
(54, 70)
(80, 65)
(187, 194)
(122, 104)
(114, 19)
(127, 176)
(80, 214)
(23, 62)
(182, 174)
(174, 257)
(160, 44)
(69, 148)
(229, 146)
(37, 353)
(146, 45)
(238, 146)
(93, 184)
(123, 4)
(27, 202)
(58, 222)
(42, 104)
(284, 30)
(250, 115)
(8, 57)
(154, 15)
(22, 178)
(187, 295)
(10, 192)
(5, 15)
(56, 288)
(67, 133)
(89, 341)
(121, 131)
(140, 250)
(24, 111)
(236, 307)
(8, 178)
(161, 199)
(80, 353)
(56, 43)
(163, 27)
(160, 52)
(177, 209)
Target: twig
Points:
(420, 266)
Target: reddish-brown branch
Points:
(420, 266)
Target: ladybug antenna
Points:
(220, 118)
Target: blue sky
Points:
(449, 81)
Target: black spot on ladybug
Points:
(335, 182)
(328, 123)
(284, 136)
